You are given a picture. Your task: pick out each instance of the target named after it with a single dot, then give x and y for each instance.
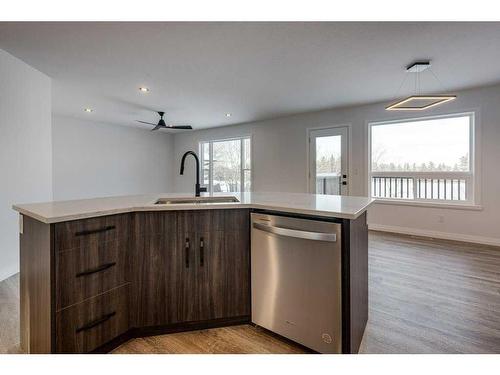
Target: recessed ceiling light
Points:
(143, 89)
(228, 115)
(88, 110)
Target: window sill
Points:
(454, 206)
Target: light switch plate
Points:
(21, 224)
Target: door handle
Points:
(202, 252)
(287, 232)
(186, 253)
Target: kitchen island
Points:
(97, 272)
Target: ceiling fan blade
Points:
(157, 127)
(161, 124)
(179, 127)
(144, 122)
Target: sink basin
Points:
(197, 200)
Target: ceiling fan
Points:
(161, 124)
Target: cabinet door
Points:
(237, 263)
(156, 262)
(211, 266)
(202, 274)
(236, 278)
(187, 287)
(203, 236)
(224, 268)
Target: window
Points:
(428, 159)
(226, 164)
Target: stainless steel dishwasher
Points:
(296, 280)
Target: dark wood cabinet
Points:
(193, 268)
(224, 275)
(85, 272)
(221, 264)
(91, 280)
(157, 269)
(236, 277)
(212, 294)
(88, 285)
(120, 276)
(91, 232)
(86, 326)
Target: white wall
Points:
(280, 162)
(25, 149)
(94, 160)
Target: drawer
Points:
(86, 326)
(86, 272)
(82, 233)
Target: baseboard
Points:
(190, 326)
(435, 234)
(136, 332)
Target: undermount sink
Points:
(197, 200)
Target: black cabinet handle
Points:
(186, 248)
(96, 322)
(100, 268)
(92, 231)
(202, 252)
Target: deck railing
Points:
(421, 186)
(328, 185)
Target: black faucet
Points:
(198, 189)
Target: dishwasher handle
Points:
(287, 232)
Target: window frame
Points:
(210, 142)
(348, 156)
(471, 177)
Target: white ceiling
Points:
(197, 72)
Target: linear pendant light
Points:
(419, 102)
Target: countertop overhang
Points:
(337, 206)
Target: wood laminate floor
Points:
(242, 339)
(426, 296)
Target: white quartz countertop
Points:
(344, 207)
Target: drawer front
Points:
(89, 271)
(81, 233)
(84, 327)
